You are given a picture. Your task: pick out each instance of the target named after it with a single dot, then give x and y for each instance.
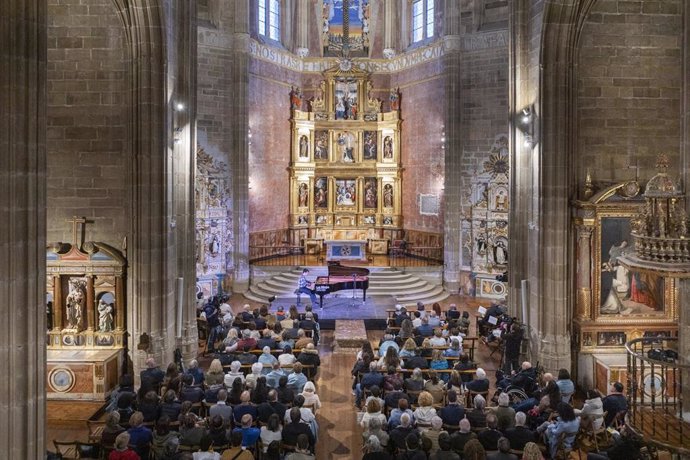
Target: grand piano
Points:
(341, 277)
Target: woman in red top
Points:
(122, 450)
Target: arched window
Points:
(269, 19)
(422, 20)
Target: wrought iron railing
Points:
(277, 255)
(655, 402)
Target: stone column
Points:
(391, 27)
(182, 74)
(302, 24)
(23, 31)
(239, 151)
(452, 116)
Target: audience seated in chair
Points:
(122, 450)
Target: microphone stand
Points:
(354, 286)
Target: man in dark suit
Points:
(399, 433)
(489, 437)
(371, 378)
(614, 403)
(271, 406)
(293, 429)
(453, 412)
(152, 373)
(460, 438)
(189, 391)
(520, 435)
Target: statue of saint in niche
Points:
(75, 304)
(105, 316)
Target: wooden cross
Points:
(76, 220)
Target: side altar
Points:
(86, 307)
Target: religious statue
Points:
(500, 253)
(388, 147)
(501, 201)
(303, 147)
(388, 196)
(394, 99)
(303, 194)
(75, 304)
(105, 316)
(295, 98)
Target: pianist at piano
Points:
(305, 286)
(340, 278)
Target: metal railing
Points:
(277, 255)
(655, 400)
(416, 256)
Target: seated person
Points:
(250, 434)
(489, 437)
(454, 411)
(567, 423)
(520, 434)
(480, 384)
(614, 403)
(425, 330)
(526, 379)
(189, 391)
(477, 416)
(295, 428)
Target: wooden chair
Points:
(591, 439)
(68, 449)
(89, 450)
(95, 429)
(469, 397)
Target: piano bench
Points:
(299, 294)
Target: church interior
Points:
(532, 154)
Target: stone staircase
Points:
(406, 288)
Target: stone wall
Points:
(87, 120)
(629, 81)
(269, 152)
(422, 145)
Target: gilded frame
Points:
(612, 228)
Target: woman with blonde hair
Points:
(230, 341)
(409, 349)
(425, 410)
(215, 374)
(532, 452)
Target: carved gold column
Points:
(58, 308)
(90, 304)
(119, 302)
(584, 271)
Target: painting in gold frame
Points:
(619, 293)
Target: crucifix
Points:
(76, 220)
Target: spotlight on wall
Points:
(179, 106)
(525, 122)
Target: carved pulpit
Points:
(87, 311)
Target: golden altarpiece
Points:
(614, 304)
(86, 318)
(345, 169)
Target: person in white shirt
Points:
(437, 340)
